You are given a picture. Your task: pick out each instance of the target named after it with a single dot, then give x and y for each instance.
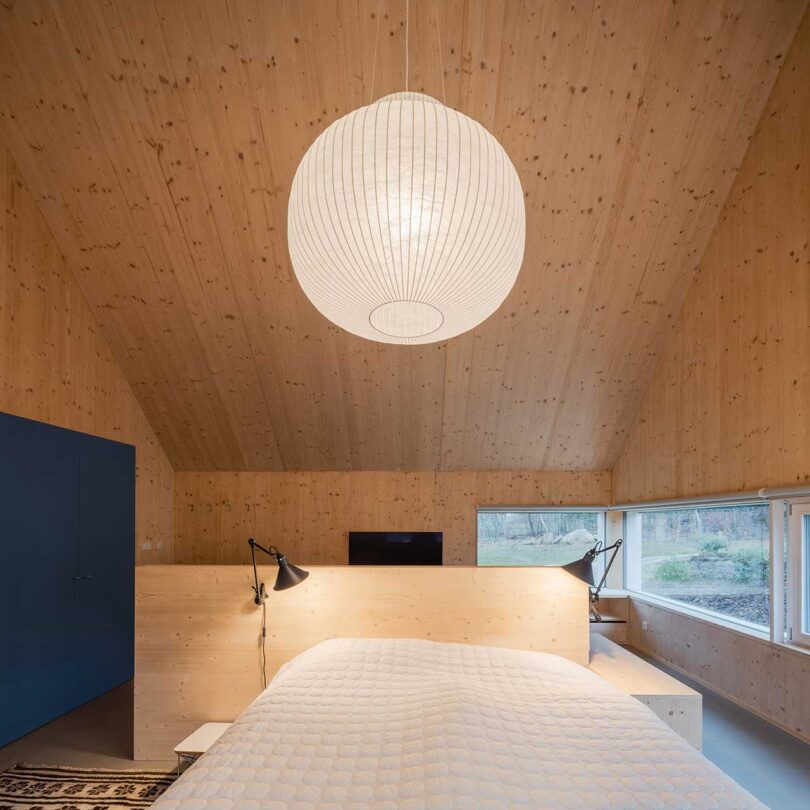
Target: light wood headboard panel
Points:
(197, 629)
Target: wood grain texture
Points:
(309, 515)
(679, 706)
(768, 679)
(56, 367)
(728, 408)
(160, 139)
(612, 631)
(198, 631)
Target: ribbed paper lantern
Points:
(406, 221)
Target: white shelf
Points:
(197, 743)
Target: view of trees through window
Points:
(713, 557)
(535, 538)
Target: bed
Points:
(407, 723)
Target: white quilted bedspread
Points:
(401, 723)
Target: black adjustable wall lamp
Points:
(288, 574)
(583, 569)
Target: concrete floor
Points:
(765, 760)
(96, 735)
(771, 764)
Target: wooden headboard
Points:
(197, 631)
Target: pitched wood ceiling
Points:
(160, 138)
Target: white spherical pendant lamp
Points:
(406, 222)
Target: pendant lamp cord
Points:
(407, 49)
(439, 47)
(376, 46)
(407, 42)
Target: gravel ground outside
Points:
(751, 607)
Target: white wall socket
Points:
(644, 625)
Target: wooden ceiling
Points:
(160, 138)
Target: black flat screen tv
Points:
(395, 548)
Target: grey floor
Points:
(765, 760)
(771, 764)
(96, 735)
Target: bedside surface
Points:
(679, 706)
(202, 739)
(631, 673)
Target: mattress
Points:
(403, 723)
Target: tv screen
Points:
(395, 548)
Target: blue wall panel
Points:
(107, 593)
(66, 514)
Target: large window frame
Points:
(789, 559)
(603, 528)
(797, 598)
(633, 561)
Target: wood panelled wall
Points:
(308, 515)
(55, 365)
(769, 679)
(728, 407)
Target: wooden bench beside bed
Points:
(679, 706)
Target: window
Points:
(537, 536)
(798, 591)
(712, 557)
(805, 589)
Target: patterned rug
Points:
(48, 787)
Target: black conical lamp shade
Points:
(288, 574)
(582, 569)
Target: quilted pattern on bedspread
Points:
(402, 723)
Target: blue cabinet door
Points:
(40, 655)
(107, 562)
(67, 570)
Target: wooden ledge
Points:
(678, 705)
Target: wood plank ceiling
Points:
(160, 138)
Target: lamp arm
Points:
(615, 548)
(258, 587)
(272, 551)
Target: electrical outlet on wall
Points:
(644, 625)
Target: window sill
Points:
(793, 647)
(705, 615)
